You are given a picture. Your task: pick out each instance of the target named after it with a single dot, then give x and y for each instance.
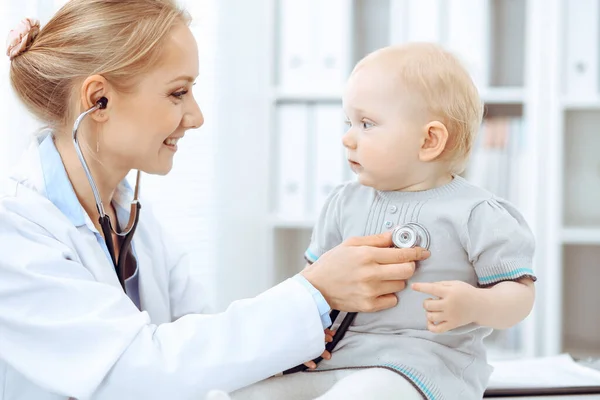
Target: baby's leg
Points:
(298, 386)
(373, 383)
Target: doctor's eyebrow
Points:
(183, 78)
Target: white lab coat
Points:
(67, 329)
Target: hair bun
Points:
(20, 38)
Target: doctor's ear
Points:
(95, 91)
(434, 141)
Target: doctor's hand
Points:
(329, 334)
(363, 273)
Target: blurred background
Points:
(246, 187)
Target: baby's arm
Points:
(505, 304)
(500, 247)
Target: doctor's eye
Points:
(179, 95)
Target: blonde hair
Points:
(118, 39)
(448, 93)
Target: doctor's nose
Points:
(193, 118)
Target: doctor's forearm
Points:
(226, 351)
(505, 304)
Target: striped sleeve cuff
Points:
(507, 271)
(310, 256)
(320, 301)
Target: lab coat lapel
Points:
(153, 279)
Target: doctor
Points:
(69, 328)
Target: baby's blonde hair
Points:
(446, 89)
(119, 39)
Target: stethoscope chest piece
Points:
(411, 235)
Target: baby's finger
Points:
(438, 328)
(435, 317)
(326, 355)
(433, 305)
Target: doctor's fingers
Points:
(386, 287)
(380, 303)
(392, 272)
(380, 240)
(394, 255)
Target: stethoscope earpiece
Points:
(102, 103)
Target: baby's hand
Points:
(455, 306)
(326, 355)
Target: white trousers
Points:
(369, 383)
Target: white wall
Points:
(242, 156)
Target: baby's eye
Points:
(367, 124)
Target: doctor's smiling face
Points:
(142, 125)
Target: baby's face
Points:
(384, 129)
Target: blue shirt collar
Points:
(60, 192)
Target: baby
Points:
(413, 113)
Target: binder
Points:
(581, 48)
(398, 21)
(425, 22)
(468, 36)
(332, 58)
(295, 44)
(292, 139)
(329, 155)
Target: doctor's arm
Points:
(77, 337)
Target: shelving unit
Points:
(495, 39)
(546, 70)
(576, 215)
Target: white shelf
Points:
(503, 95)
(581, 235)
(492, 95)
(581, 104)
(305, 222)
(287, 95)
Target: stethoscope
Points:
(127, 234)
(408, 235)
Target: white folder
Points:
(467, 36)
(581, 48)
(331, 33)
(329, 156)
(398, 21)
(425, 23)
(292, 139)
(295, 48)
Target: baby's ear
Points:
(434, 141)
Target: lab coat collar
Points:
(58, 189)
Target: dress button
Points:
(393, 209)
(388, 224)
